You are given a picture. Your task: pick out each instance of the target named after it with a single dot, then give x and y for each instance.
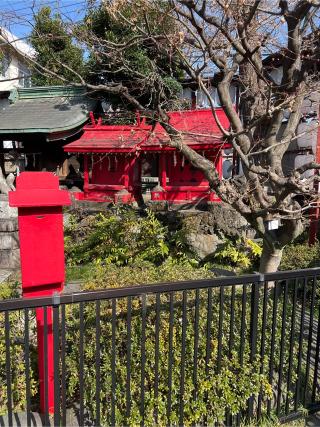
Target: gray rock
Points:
(203, 244)
(228, 221)
(75, 189)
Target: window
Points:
(5, 63)
(203, 101)
(24, 75)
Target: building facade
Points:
(14, 67)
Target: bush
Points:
(218, 390)
(242, 254)
(138, 273)
(298, 256)
(117, 238)
(17, 356)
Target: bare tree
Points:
(231, 38)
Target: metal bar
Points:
(196, 344)
(273, 331)
(170, 357)
(310, 338)
(86, 296)
(113, 362)
(143, 355)
(97, 363)
(128, 385)
(45, 364)
(292, 274)
(8, 367)
(27, 364)
(81, 365)
(317, 357)
(255, 296)
(263, 340)
(282, 345)
(156, 358)
(56, 364)
(208, 338)
(231, 339)
(63, 366)
(220, 330)
(297, 396)
(183, 350)
(292, 330)
(243, 322)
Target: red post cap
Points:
(38, 189)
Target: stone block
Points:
(9, 240)
(203, 244)
(8, 224)
(6, 211)
(10, 258)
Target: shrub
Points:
(15, 320)
(218, 389)
(298, 256)
(121, 236)
(243, 254)
(117, 238)
(144, 272)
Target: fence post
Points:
(56, 354)
(255, 295)
(39, 201)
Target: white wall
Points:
(16, 67)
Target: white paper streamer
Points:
(174, 159)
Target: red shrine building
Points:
(119, 159)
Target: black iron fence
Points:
(222, 350)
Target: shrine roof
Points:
(198, 127)
(124, 141)
(45, 110)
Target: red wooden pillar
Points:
(126, 172)
(85, 173)
(219, 163)
(163, 170)
(315, 212)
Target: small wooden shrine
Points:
(118, 159)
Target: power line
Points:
(9, 20)
(39, 6)
(14, 12)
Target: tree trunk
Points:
(270, 258)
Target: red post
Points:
(314, 213)
(163, 171)
(219, 163)
(85, 173)
(39, 202)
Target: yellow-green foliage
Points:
(16, 350)
(216, 392)
(300, 255)
(144, 272)
(117, 238)
(242, 253)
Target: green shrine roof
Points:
(48, 110)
